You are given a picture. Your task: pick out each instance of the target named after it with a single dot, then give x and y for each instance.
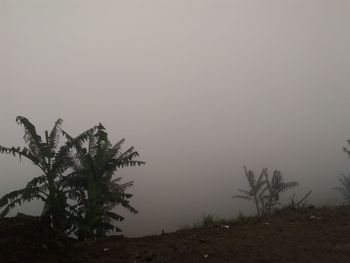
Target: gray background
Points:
(199, 87)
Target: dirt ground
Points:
(313, 235)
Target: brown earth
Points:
(313, 235)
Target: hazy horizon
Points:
(200, 88)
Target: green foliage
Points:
(345, 189)
(76, 184)
(52, 161)
(209, 220)
(264, 191)
(92, 184)
(212, 220)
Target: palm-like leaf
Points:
(31, 137)
(30, 192)
(243, 197)
(21, 152)
(55, 134)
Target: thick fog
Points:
(200, 88)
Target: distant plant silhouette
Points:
(273, 188)
(346, 150)
(345, 180)
(208, 220)
(345, 189)
(211, 220)
(264, 191)
(255, 191)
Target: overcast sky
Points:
(199, 87)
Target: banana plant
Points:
(255, 189)
(93, 186)
(264, 191)
(273, 188)
(53, 161)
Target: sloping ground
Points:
(28, 239)
(321, 235)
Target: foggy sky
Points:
(199, 87)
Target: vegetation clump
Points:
(76, 184)
(79, 190)
(345, 181)
(265, 190)
(209, 220)
(212, 220)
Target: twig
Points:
(297, 205)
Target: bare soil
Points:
(312, 235)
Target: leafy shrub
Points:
(264, 191)
(77, 184)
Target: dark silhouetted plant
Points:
(273, 188)
(264, 191)
(93, 171)
(53, 161)
(345, 180)
(211, 220)
(208, 220)
(92, 184)
(254, 192)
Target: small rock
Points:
(206, 256)
(315, 218)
